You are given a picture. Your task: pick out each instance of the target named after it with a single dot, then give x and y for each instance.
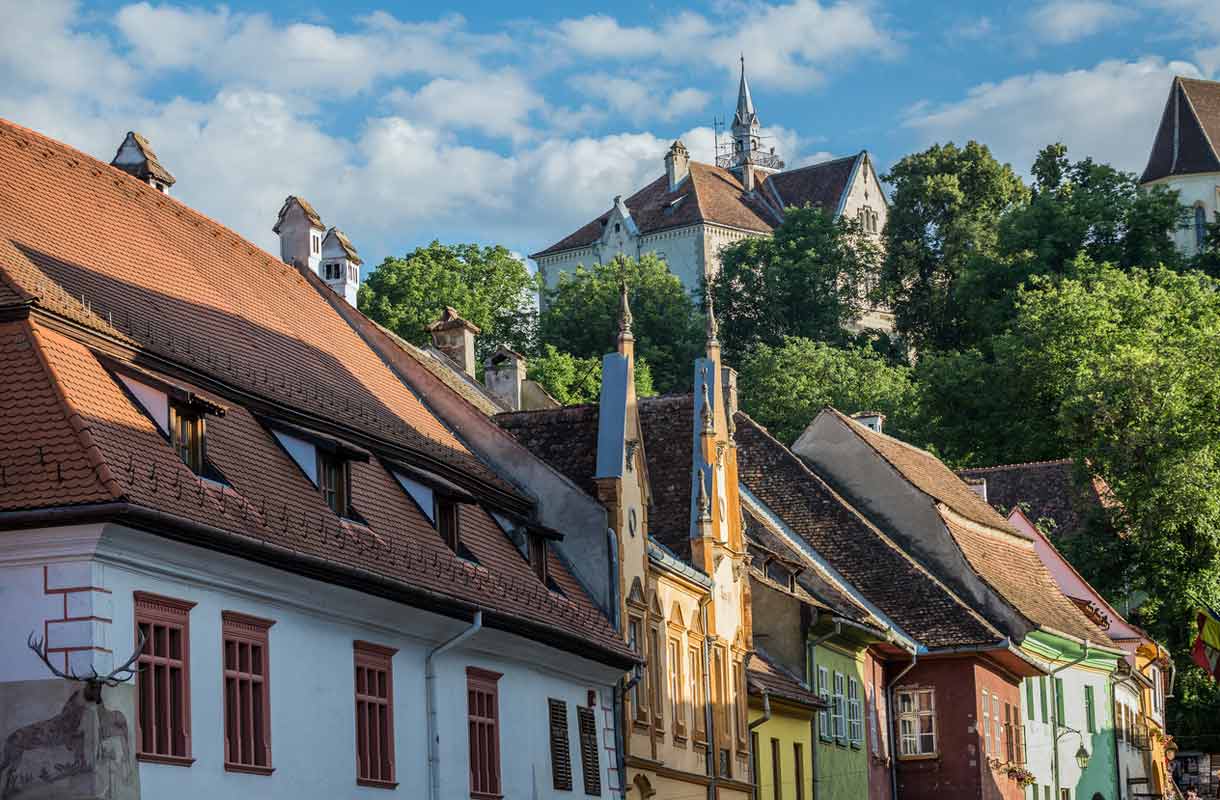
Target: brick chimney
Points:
(677, 164)
(454, 336)
(300, 230)
(135, 156)
(503, 375)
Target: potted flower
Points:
(1021, 775)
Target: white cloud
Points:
(498, 104)
(640, 100)
(1109, 112)
(787, 45)
(1064, 21)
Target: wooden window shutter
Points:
(561, 753)
(590, 763)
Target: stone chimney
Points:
(677, 164)
(341, 265)
(300, 230)
(503, 375)
(747, 177)
(873, 420)
(454, 336)
(135, 156)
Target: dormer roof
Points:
(292, 201)
(340, 238)
(135, 156)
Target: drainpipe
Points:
(766, 697)
(891, 728)
(620, 707)
(434, 744)
(1055, 715)
(813, 724)
(708, 717)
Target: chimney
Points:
(747, 177)
(873, 420)
(341, 265)
(300, 230)
(454, 336)
(135, 156)
(503, 374)
(978, 486)
(677, 164)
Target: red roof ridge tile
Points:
(1053, 462)
(77, 421)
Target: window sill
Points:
(377, 784)
(248, 768)
(176, 761)
(485, 796)
(856, 745)
(920, 757)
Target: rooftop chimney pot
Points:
(454, 336)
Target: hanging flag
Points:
(1206, 651)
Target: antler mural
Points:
(93, 682)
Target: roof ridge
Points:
(995, 467)
(1198, 120)
(75, 420)
(868, 523)
(817, 164)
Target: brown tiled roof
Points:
(1189, 132)
(445, 371)
(1012, 567)
(863, 556)
(1050, 489)
(819, 185)
(117, 256)
(928, 473)
(762, 673)
(566, 438)
(151, 168)
(158, 280)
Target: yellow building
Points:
(782, 711)
(666, 471)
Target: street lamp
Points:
(1082, 756)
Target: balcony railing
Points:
(759, 158)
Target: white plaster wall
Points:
(311, 671)
(1201, 189)
(1130, 759)
(1040, 740)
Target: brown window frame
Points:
(656, 677)
(238, 630)
(154, 613)
(448, 515)
(537, 552)
(187, 431)
(590, 759)
(777, 771)
(677, 702)
(698, 703)
(640, 691)
(335, 481)
(798, 760)
(561, 748)
(484, 732)
(374, 714)
(741, 702)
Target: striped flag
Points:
(1206, 651)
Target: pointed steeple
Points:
(745, 116)
(626, 341)
(713, 327)
(704, 511)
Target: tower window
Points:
(315, 244)
(334, 270)
(1200, 227)
(186, 436)
(618, 226)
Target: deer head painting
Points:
(84, 751)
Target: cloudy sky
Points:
(505, 123)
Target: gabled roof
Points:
(715, 195)
(1043, 489)
(345, 244)
(763, 673)
(101, 270)
(908, 594)
(1189, 132)
(1003, 557)
(145, 165)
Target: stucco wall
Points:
(788, 726)
(311, 672)
(1193, 190)
(842, 766)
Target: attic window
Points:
(186, 434)
(334, 482)
(537, 546)
(326, 462)
(440, 501)
(448, 523)
(334, 270)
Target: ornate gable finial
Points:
(624, 310)
(706, 413)
(713, 327)
(705, 507)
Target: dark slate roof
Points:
(1186, 139)
(715, 195)
(762, 672)
(897, 585)
(1050, 489)
(566, 438)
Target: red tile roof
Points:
(204, 310)
(1044, 489)
(764, 674)
(715, 195)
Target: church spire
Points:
(745, 116)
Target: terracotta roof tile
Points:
(819, 185)
(763, 673)
(891, 580)
(1050, 489)
(114, 254)
(1189, 132)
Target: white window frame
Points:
(855, 713)
(986, 722)
(824, 694)
(839, 716)
(997, 738)
(910, 739)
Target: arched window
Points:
(1200, 227)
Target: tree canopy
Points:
(580, 316)
(487, 285)
(573, 381)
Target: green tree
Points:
(808, 280)
(785, 387)
(580, 316)
(944, 216)
(573, 381)
(487, 285)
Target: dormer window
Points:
(334, 270)
(439, 500)
(537, 547)
(448, 522)
(186, 434)
(618, 226)
(334, 482)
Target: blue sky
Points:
(513, 124)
